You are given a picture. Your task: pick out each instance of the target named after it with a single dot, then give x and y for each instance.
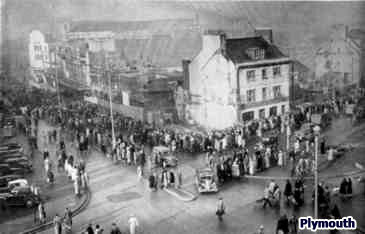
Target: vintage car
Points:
(14, 156)
(4, 180)
(205, 180)
(20, 197)
(340, 150)
(18, 163)
(8, 169)
(270, 138)
(163, 155)
(305, 132)
(14, 185)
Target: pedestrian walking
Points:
(84, 180)
(133, 224)
(89, 229)
(41, 213)
(68, 217)
(57, 223)
(139, 172)
(283, 225)
(221, 209)
(98, 229)
(115, 229)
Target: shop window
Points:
(262, 113)
(247, 116)
(282, 109)
(273, 111)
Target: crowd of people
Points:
(89, 127)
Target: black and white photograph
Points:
(182, 117)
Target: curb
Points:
(75, 212)
(189, 196)
(347, 174)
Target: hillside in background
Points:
(299, 27)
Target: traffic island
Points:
(181, 194)
(86, 197)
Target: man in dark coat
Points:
(283, 225)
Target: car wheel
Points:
(29, 204)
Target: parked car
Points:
(10, 146)
(205, 180)
(22, 197)
(164, 155)
(18, 156)
(4, 180)
(13, 186)
(7, 169)
(16, 162)
(341, 150)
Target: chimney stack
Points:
(185, 67)
(266, 33)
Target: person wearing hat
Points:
(261, 230)
(221, 209)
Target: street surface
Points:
(117, 193)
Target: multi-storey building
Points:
(338, 61)
(237, 80)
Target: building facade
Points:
(338, 62)
(237, 80)
(38, 51)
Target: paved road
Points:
(57, 197)
(117, 193)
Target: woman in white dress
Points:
(280, 158)
(252, 164)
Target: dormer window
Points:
(256, 53)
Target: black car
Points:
(13, 156)
(6, 169)
(20, 198)
(10, 146)
(18, 163)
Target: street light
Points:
(316, 130)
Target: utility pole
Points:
(110, 100)
(316, 132)
(58, 85)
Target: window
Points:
(277, 71)
(273, 111)
(264, 74)
(282, 109)
(262, 113)
(256, 53)
(38, 57)
(264, 94)
(276, 91)
(250, 75)
(251, 95)
(346, 78)
(37, 48)
(247, 116)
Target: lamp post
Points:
(316, 130)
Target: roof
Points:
(122, 26)
(236, 49)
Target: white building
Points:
(38, 51)
(237, 80)
(338, 61)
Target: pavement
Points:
(117, 193)
(56, 197)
